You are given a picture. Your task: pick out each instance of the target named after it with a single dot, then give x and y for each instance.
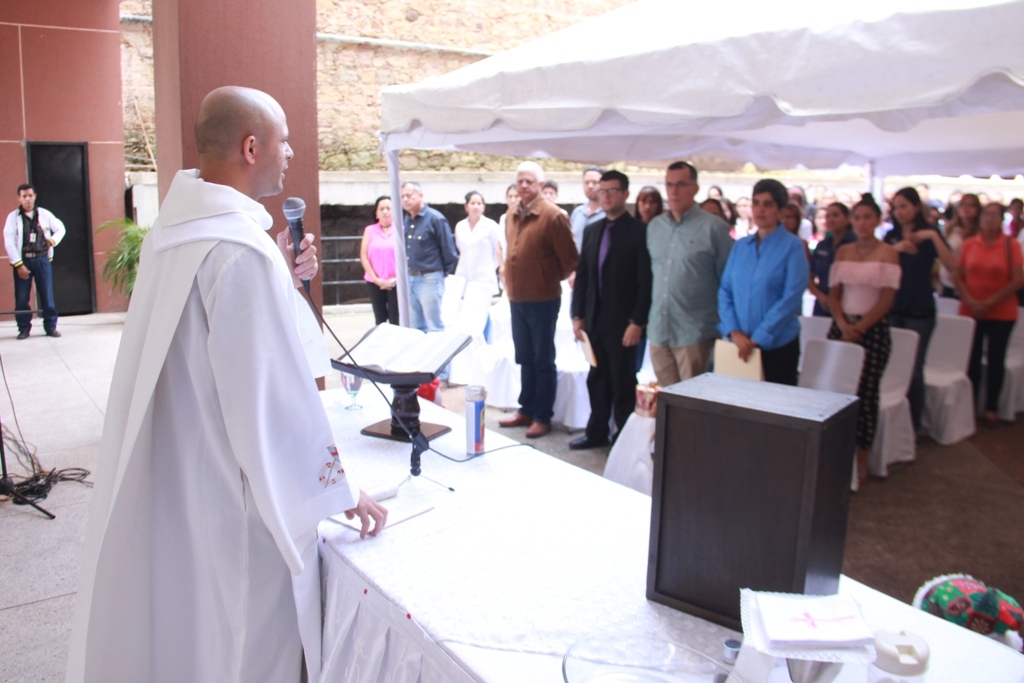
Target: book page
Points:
(430, 353)
(392, 349)
(384, 347)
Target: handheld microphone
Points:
(294, 208)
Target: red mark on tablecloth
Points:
(365, 591)
(408, 616)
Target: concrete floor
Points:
(58, 394)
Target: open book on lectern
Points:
(402, 355)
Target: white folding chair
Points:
(948, 415)
(807, 303)
(831, 365)
(812, 327)
(947, 305)
(1011, 397)
(895, 440)
(451, 300)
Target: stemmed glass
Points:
(352, 385)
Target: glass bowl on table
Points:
(624, 658)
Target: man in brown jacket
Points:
(541, 253)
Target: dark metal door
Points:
(60, 173)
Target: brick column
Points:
(199, 45)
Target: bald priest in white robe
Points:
(217, 460)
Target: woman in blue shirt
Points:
(761, 292)
(918, 244)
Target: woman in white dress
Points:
(478, 239)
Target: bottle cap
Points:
(731, 650)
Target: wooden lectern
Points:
(751, 490)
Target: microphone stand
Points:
(7, 487)
(294, 208)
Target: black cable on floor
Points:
(37, 485)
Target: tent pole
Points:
(401, 271)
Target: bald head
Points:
(242, 137)
(229, 115)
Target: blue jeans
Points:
(533, 333)
(41, 271)
(924, 328)
(425, 294)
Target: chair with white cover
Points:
(471, 319)
(1011, 397)
(451, 300)
(630, 461)
(831, 365)
(895, 440)
(812, 327)
(947, 305)
(948, 415)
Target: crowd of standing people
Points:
(680, 274)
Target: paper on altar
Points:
(826, 621)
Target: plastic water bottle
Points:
(475, 399)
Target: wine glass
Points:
(352, 384)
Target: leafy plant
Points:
(122, 262)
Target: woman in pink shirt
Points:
(377, 254)
(862, 286)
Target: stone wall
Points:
(350, 77)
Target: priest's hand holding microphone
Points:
(299, 253)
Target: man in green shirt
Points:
(689, 248)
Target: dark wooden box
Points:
(751, 490)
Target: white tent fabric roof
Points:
(914, 86)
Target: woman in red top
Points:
(987, 279)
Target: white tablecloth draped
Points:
(525, 556)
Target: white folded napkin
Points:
(826, 621)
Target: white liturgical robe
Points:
(217, 462)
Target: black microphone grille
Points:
(293, 208)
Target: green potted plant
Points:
(122, 262)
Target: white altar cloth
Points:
(526, 556)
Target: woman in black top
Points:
(919, 244)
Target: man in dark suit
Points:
(610, 302)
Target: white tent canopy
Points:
(913, 86)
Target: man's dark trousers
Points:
(533, 333)
(41, 271)
(611, 385)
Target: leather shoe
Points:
(52, 333)
(583, 443)
(537, 429)
(519, 420)
(23, 334)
